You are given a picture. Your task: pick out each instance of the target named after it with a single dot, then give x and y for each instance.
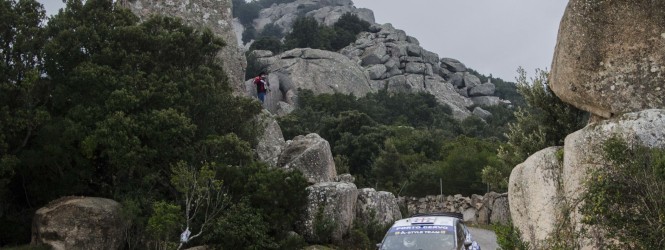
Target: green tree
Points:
(544, 122)
(202, 196)
(122, 101)
(271, 30)
(24, 103)
(249, 34)
(246, 12)
(346, 29)
(279, 197)
(308, 33)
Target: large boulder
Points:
(311, 155)
(470, 81)
(500, 210)
(317, 70)
(271, 141)
(533, 191)
(214, 15)
(583, 152)
(487, 101)
(330, 204)
(453, 65)
(378, 206)
(482, 89)
(610, 56)
(79, 223)
(480, 112)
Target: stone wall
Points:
(492, 208)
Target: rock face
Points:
(375, 205)
(398, 63)
(331, 201)
(271, 142)
(79, 223)
(317, 70)
(311, 155)
(610, 56)
(534, 195)
(583, 151)
(215, 15)
(534, 206)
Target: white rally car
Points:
(435, 231)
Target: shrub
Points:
(508, 237)
(626, 198)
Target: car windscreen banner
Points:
(433, 229)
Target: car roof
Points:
(426, 220)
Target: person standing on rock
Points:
(261, 86)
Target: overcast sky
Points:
(491, 36)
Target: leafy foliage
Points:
(508, 237)
(278, 196)
(95, 103)
(396, 141)
(544, 121)
(308, 33)
(246, 12)
(626, 198)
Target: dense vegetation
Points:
(544, 121)
(399, 142)
(95, 103)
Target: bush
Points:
(508, 237)
(271, 30)
(246, 12)
(248, 35)
(626, 198)
(308, 33)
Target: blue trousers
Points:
(262, 96)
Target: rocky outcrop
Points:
(583, 153)
(317, 70)
(79, 223)
(214, 15)
(332, 203)
(376, 206)
(554, 196)
(324, 11)
(271, 141)
(310, 155)
(398, 63)
(534, 193)
(492, 208)
(610, 56)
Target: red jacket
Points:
(260, 84)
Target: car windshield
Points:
(419, 241)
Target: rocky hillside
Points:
(604, 65)
(383, 58)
